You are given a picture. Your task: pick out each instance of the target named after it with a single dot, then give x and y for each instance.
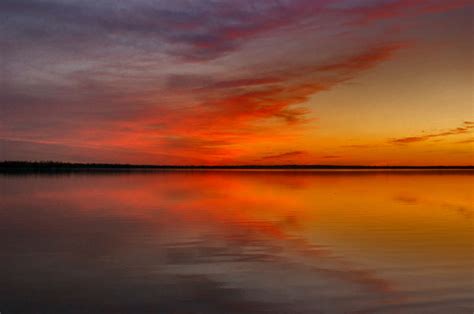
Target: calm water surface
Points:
(237, 242)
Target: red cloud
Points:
(236, 112)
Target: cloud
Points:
(247, 110)
(468, 141)
(193, 31)
(401, 8)
(292, 154)
(199, 116)
(275, 96)
(199, 81)
(246, 82)
(364, 60)
(465, 128)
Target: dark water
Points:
(237, 242)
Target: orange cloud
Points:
(467, 126)
(468, 141)
(226, 114)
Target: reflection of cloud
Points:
(170, 233)
(365, 278)
(408, 199)
(157, 231)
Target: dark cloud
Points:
(196, 30)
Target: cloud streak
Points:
(466, 127)
(284, 156)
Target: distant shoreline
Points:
(25, 167)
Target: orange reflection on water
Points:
(371, 240)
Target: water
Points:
(237, 242)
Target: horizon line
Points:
(18, 164)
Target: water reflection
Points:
(237, 242)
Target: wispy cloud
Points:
(284, 156)
(465, 128)
(468, 141)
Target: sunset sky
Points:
(237, 82)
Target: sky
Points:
(237, 82)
